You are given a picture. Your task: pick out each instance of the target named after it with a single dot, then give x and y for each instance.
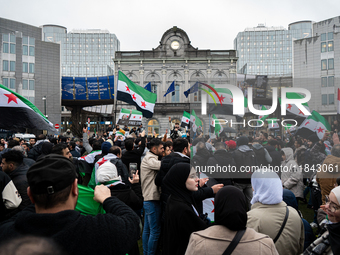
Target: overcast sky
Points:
(139, 25)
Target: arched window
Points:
(155, 81)
(153, 125)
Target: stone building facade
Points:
(175, 59)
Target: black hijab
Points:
(175, 182)
(231, 208)
(334, 237)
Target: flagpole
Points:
(209, 126)
(115, 104)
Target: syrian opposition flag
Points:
(272, 124)
(227, 102)
(134, 120)
(292, 111)
(90, 157)
(17, 112)
(93, 181)
(314, 125)
(185, 119)
(131, 93)
(263, 117)
(290, 127)
(195, 121)
(215, 126)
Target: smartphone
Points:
(132, 169)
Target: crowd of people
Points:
(108, 194)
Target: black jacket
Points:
(112, 233)
(180, 221)
(201, 157)
(276, 156)
(130, 195)
(19, 179)
(134, 155)
(222, 158)
(35, 152)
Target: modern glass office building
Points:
(84, 53)
(268, 50)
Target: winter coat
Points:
(268, 219)
(299, 151)
(222, 158)
(291, 176)
(262, 155)
(112, 233)
(149, 169)
(134, 156)
(180, 221)
(275, 155)
(131, 195)
(244, 157)
(216, 239)
(36, 151)
(327, 175)
(201, 157)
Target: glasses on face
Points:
(332, 206)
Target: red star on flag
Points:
(134, 117)
(232, 100)
(307, 123)
(127, 89)
(212, 123)
(143, 104)
(320, 130)
(134, 97)
(301, 112)
(140, 117)
(11, 97)
(214, 206)
(187, 120)
(102, 161)
(289, 107)
(222, 98)
(83, 157)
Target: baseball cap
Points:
(51, 174)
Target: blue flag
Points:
(171, 89)
(148, 86)
(193, 89)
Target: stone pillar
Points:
(163, 84)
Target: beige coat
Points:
(327, 174)
(215, 240)
(268, 219)
(149, 168)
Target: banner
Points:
(130, 117)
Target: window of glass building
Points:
(31, 84)
(12, 48)
(5, 48)
(330, 98)
(5, 37)
(324, 99)
(32, 41)
(331, 81)
(330, 36)
(323, 81)
(323, 47)
(25, 84)
(5, 82)
(25, 50)
(24, 67)
(330, 46)
(5, 65)
(12, 84)
(32, 50)
(323, 37)
(331, 63)
(12, 37)
(175, 98)
(12, 66)
(324, 64)
(24, 40)
(31, 69)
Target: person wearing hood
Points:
(329, 242)
(46, 148)
(230, 219)
(262, 155)
(245, 159)
(131, 195)
(329, 172)
(291, 176)
(271, 216)
(299, 148)
(181, 216)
